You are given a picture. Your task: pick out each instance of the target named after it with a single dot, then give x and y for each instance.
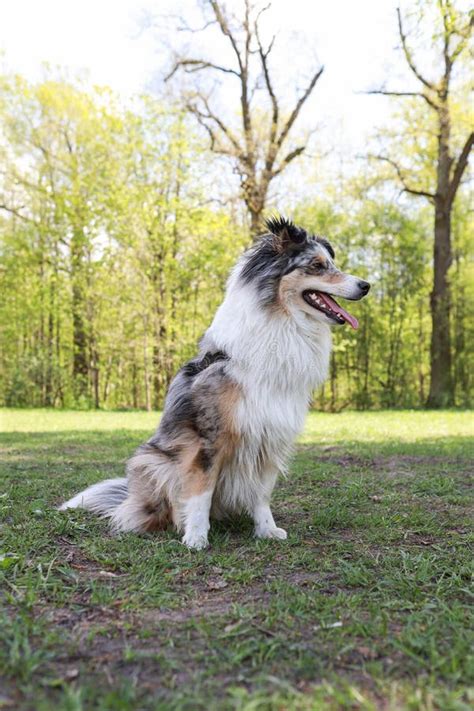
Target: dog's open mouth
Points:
(325, 303)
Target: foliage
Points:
(440, 145)
(112, 262)
(113, 259)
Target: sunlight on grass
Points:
(402, 426)
(326, 428)
(42, 420)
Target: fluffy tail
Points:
(142, 511)
(102, 498)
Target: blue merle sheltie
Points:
(233, 412)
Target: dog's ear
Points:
(286, 236)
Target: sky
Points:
(355, 41)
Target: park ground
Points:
(365, 606)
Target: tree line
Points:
(116, 237)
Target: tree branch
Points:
(215, 147)
(402, 178)
(461, 164)
(244, 96)
(15, 212)
(420, 94)
(196, 65)
(184, 27)
(298, 107)
(222, 22)
(271, 151)
(287, 159)
(211, 116)
(408, 55)
(263, 59)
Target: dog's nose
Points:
(364, 286)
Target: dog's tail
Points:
(143, 508)
(102, 498)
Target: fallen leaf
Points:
(367, 653)
(216, 584)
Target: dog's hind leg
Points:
(147, 507)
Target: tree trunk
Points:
(441, 386)
(421, 348)
(95, 372)
(255, 222)
(333, 378)
(48, 395)
(80, 367)
(80, 358)
(146, 374)
(255, 198)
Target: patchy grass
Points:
(366, 606)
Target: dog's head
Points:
(295, 271)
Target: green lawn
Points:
(365, 606)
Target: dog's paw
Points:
(195, 540)
(279, 533)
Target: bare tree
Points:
(449, 169)
(258, 156)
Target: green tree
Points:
(450, 35)
(112, 260)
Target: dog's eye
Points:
(319, 264)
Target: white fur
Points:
(278, 360)
(196, 520)
(265, 526)
(99, 498)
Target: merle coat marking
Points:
(232, 413)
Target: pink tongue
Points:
(339, 310)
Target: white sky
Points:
(354, 39)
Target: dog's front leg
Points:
(196, 511)
(265, 526)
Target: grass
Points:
(365, 606)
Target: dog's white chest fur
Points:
(277, 363)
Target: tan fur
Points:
(296, 282)
(195, 479)
(320, 262)
(228, 401)
(159, 488)
(289, 286)
(334, 277)
(160, 516)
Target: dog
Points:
(233, 412)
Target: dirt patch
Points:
(391, 466)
